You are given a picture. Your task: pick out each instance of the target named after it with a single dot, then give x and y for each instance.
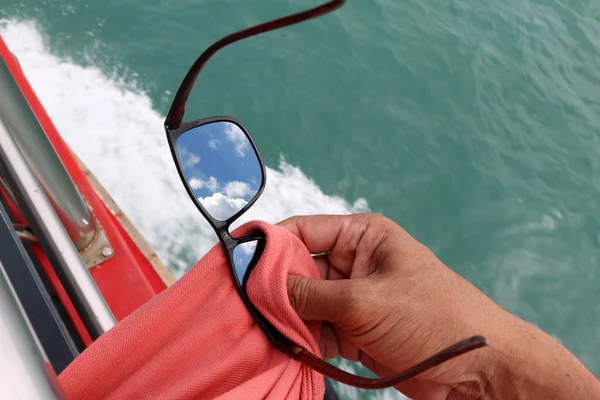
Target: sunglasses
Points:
(231, 180)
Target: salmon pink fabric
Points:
(196, 340)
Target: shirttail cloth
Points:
(197, 340)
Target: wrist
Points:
(522, 362)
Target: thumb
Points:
(318, 299)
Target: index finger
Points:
(357, 244)
(319, 233)
(348, 239)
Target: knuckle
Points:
(290, 221)
(299, 295)
(354, 300)
(364, 309)
(377, 220)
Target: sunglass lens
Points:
(243, 254)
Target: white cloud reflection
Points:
(191, 160)
(222, 207)
(236, 136)
(237, 189)
(211, 184)
(212, 143)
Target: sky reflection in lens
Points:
(220, 166)
(242, 255)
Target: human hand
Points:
(391, 303)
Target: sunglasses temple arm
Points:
(457, 349)
(177, 109)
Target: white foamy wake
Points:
(117, 133)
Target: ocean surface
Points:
(475, 124)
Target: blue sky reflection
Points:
(242, 255)
(221, 167)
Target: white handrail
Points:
(25, 372)
(45, 163)
(57, 244)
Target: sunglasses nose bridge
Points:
(228, 241)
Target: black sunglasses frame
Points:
(173, 135)
(222, 227)
(174, 128)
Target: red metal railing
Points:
(127, 280)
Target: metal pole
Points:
(46, 225)
(22, 123)
(25, 372)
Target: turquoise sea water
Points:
(473, 124)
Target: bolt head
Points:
(107, 252)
